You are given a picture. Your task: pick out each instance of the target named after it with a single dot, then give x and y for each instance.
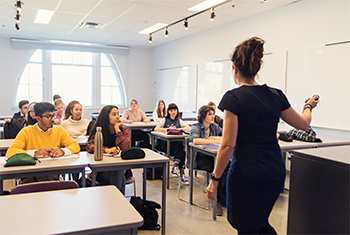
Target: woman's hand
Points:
(172, 127)
(146, 120)
(114, 150)
(57, 122)
(313, 101)
(211, 189)
(117, 126)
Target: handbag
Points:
(174, 132)
(132, 153)
(147, 210)
(20, 159)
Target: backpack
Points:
(147, 210)
(12, 128)
(158, 173)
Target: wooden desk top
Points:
(151, 157)
(6, 143)
(140, 125)
(164, 135)
(339, 154)
(95, 209)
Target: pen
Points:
(53, 149)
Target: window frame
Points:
(96, 80)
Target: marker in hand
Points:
(316, 97)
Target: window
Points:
(91, 78)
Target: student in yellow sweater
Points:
(43, 139)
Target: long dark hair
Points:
(172, 106)
(70, 106)
(247, 57)
(103, 121)
(160, 113)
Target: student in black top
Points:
(251, 114)
(172, 121)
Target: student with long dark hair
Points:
(251, 114)
(115, 138)
(172, 121)
(160, 111)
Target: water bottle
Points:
(98, 152)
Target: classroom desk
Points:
(94, 210)
(285, 147)
(6, 143)
(139, 126)
(168, 139)
(319, 191)
(48, 167)
(152, 159)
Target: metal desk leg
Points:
(83, 180)
(93, 179)
(153, 138)
(191, 174)
(1, 187)
(165, 179)
(144, 183)
(168, 155)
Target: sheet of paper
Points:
(212, 146)
(59, 158)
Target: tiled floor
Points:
(182, 218)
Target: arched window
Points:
(91, 78)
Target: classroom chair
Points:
(44, 186)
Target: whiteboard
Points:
(327, 74)
(217, 80)
(178, 85)
(218, 77)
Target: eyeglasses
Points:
(48, 116)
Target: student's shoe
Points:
(184, 180)
(175, 170)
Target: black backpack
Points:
(147, 210)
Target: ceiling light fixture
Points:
(18, 5)
(17, 27)
(212, 14)
(205, 5)
(185, 20)
(43, 16)
(186, 24)
(150, 38)
(18, 17)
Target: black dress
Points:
(256, 179)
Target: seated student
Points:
(160, 111)
(136, 115)
(204, 132)
(56, 97)
(13, 126)
(43, 139)
(23, 106)
(59, 113)
(218, 120)
(74, 123)
(115, 138)
(171, 121)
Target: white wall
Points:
(136, 71)
(292, 28)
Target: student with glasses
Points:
(43, 139)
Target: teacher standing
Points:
(251, 116)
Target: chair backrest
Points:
(44, 186)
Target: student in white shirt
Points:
(74, 123)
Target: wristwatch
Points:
(212, 177)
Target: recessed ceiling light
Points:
(43, 16)
(153, 28)
(205, 5)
